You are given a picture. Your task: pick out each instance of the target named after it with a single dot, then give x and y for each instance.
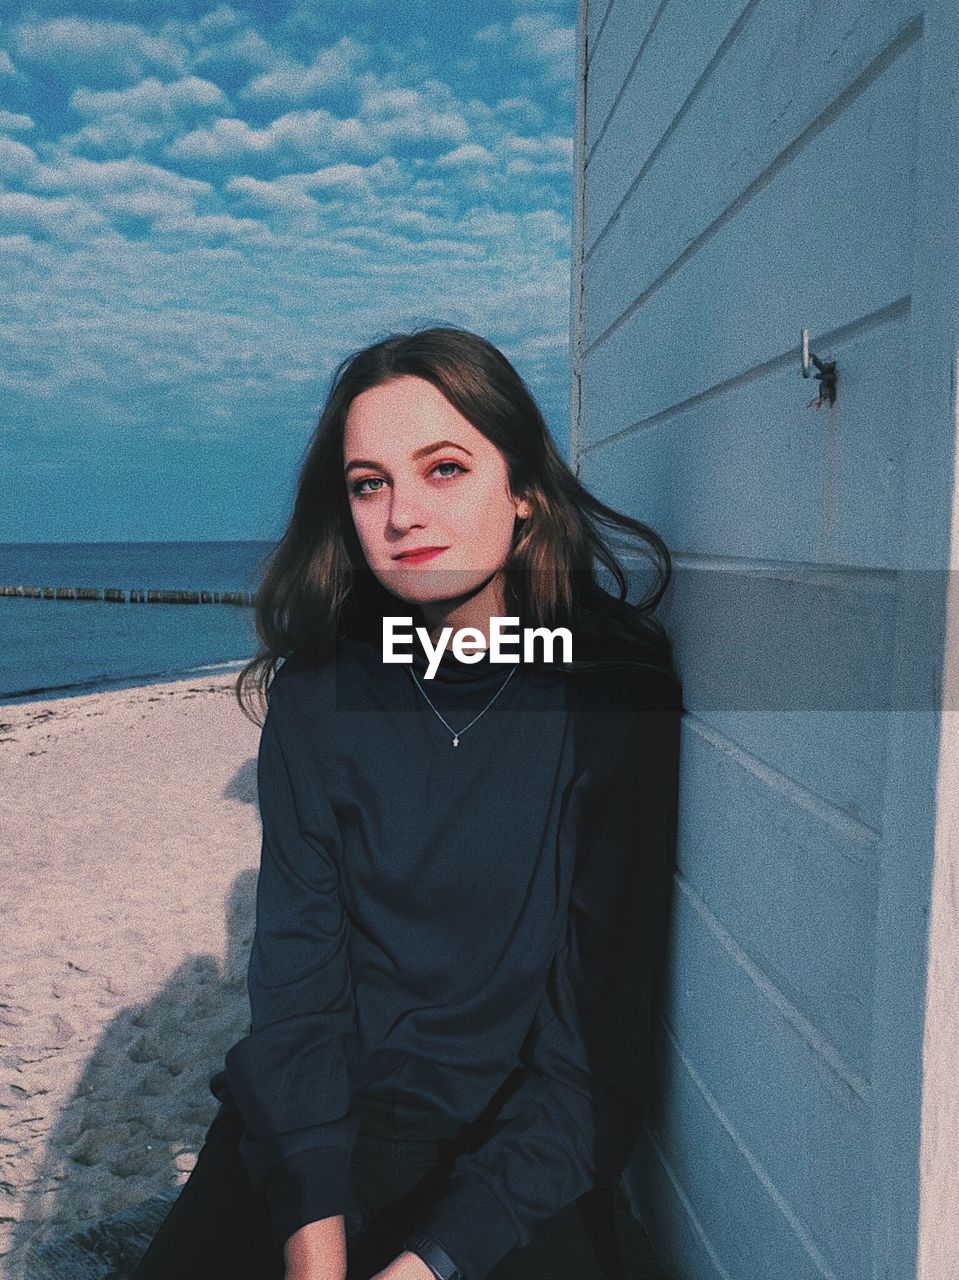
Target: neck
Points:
(473, 611)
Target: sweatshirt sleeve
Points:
(574, 1118)
(289, 1075)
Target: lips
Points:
(418, 554)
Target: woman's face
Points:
(419, 474)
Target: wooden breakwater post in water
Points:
(136, 595)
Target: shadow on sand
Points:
(126, 1140)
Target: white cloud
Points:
(386, 118)
(495, 33)
(6, 64)
(467, 155)
(546, 226)
(282, 195)
(523, 109)
(540, 38)
(230, 138)
(293, 193)
(211, 225)
(95, 47)
(150, 98)
(544, 154)
(355, 177)
(413, 115)
(224, 18)
(245, 50)
(14, 123)
(77, 173)
(17, 161)
(423, 224)
(154, 205)
(67, 218)
(118, 134)
(297, 82)
(125, 120)
(131, 119)
(543, 36)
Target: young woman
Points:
(464, 880)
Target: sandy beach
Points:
(129, 838)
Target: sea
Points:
(62, 648)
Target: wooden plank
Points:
(740, 679)
(800, 1118)
(838, 756)
(783, 261)
(626, 29)
(773, 83)
(784, 641)
(596, 11)
(730, 673)
(672, 1225)
(762, 474)
(694, 1173)
(794, 884)
(678, 50)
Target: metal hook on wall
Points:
(826, 373)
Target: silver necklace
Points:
(456, 736)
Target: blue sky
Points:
(203, 207)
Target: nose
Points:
(405, 511)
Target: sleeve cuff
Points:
(434, 1256)
(474, 1226)
(309, 1186)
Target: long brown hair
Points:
(317, 586)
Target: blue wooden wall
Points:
(746, 169)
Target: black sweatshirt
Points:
(434, 918)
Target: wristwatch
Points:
(434, 1255)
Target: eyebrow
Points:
(418, 453)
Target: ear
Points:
(524, 508)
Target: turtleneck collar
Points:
(452, 670)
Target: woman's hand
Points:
(317, 1251)
(408, 1266)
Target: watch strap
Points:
(434, 1255)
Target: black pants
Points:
(219, 1226)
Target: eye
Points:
(449, 464)
(360, 492)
